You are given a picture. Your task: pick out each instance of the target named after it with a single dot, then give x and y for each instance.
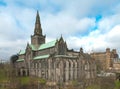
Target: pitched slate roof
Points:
(41, 57)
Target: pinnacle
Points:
(38, 29)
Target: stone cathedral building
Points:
(53, 61)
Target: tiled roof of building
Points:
(47, 45)
(20, 60)
(41, 57)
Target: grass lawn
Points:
(2, 76)
(24, 80)
(27, 80)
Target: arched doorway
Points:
(23, 72)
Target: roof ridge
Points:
(47, 45)
(22, 52)
(50, 41)
(33, 47)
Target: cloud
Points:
(8, 48)
(11, 36)
(108, 22)
(113, 36)
(97, 41)
(54, 25)
(75, 20)
(89, 43)
(15, 30)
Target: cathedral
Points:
(53, 61)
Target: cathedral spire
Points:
(38, 38)
(38, 29)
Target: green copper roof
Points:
(22, 52)
(20, 60)
(41, 57)
(47, 45)
(43, 46)
(33, 47)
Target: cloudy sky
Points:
(91, 24)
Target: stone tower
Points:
(38, 38)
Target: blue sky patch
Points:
(2, 3)
(98, 18)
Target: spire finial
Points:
(61, 36)
(38, 29)
(81, 50)
(37, 12)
